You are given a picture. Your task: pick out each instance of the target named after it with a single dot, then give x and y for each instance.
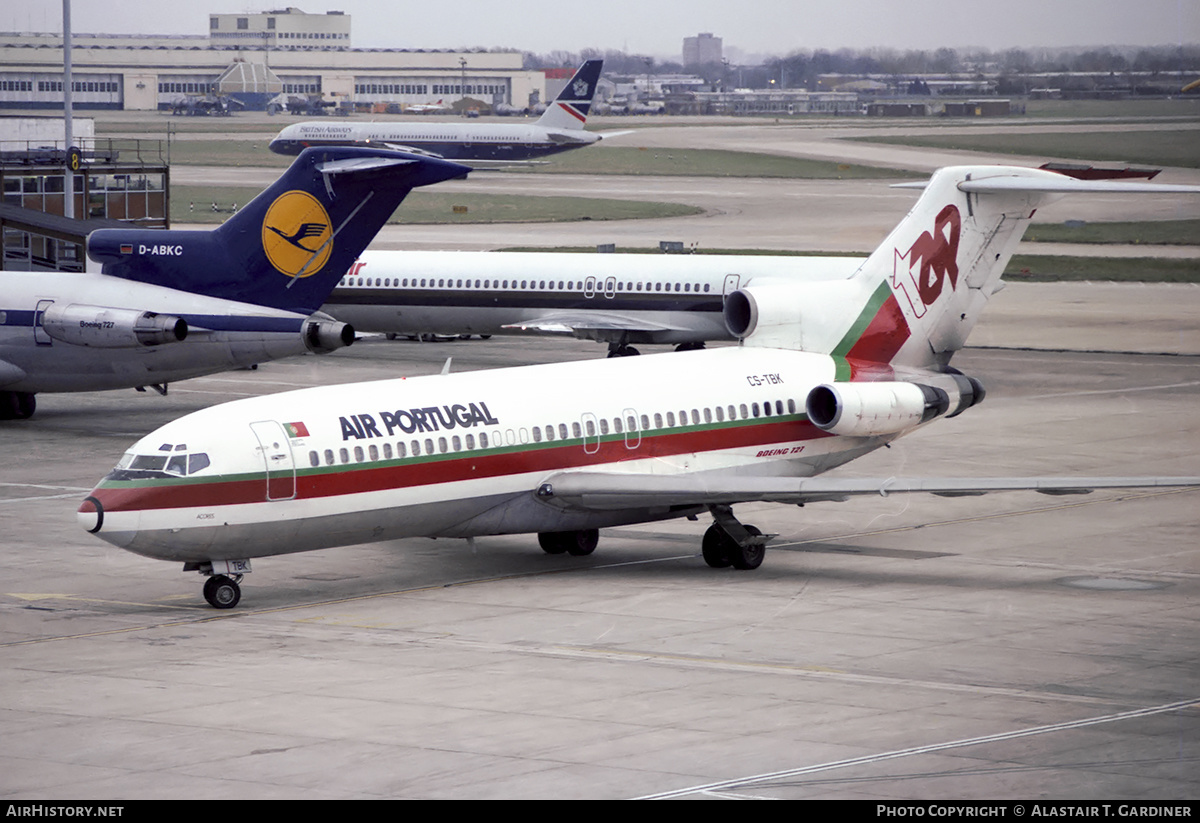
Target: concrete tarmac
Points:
(910, 647)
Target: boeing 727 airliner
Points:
(170, 305)
(618, 299)
(826, 372)
(559, 129)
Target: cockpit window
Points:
(149, 462)
(197, 462)
(175, 464)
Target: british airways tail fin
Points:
(913, 302)
(570, 109)
(292, 243)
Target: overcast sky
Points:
(657, 27)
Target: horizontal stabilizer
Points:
(594, 491)
(362, 165)
(1010, 181)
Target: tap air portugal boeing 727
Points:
(560, 128)
(170, 305)
(826, 372)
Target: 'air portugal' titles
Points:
(409, 421)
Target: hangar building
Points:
(282, 50)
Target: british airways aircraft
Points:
(560, 128)
(169, 305)
(825, 372)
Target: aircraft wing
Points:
(597, 491)
(586, 325)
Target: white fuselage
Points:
(222, 334)
(491, 142)
(629, 298)
(459, 455)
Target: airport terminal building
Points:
(254, 57)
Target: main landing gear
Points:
(726, 543)
(577, 544)
(17, 405)
(621, 350)
(729, 543)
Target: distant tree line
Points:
(801, 68)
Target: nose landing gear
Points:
(223, 592)
(221, 589)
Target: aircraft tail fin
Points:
(570, 109)
(291, 244)
(927, 283)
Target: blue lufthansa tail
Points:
(289, 246)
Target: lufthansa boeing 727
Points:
(826, 372)
(169, 305)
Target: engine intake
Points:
(108, 328)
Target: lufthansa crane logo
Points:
(297, 234)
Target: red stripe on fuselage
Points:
(358, 478)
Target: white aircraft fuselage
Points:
(461, 455)
(491, 142)
(613, 298)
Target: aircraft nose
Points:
(90, 515)
(93, 518)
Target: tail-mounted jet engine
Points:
(324, 336)
(106, 328)
(870, 409)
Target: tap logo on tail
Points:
(937, 254)
(297, 234)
